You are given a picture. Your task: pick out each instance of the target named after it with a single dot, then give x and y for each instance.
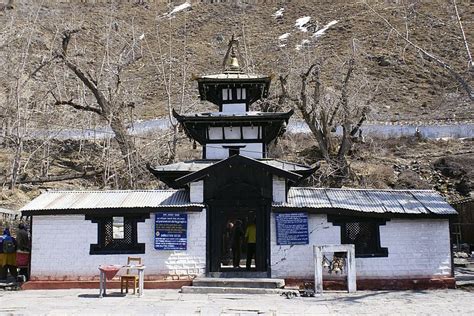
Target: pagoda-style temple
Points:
(235, 177)
(237, 212)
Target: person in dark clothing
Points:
(237, 237)
(227, 243)
(23, 249)
(22, 238)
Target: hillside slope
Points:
(402, 84)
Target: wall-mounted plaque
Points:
(292, 228)
(170, 231)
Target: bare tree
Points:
(325, 111)
(107, 93)
(171, 64)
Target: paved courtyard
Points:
(171, 302)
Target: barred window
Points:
(117, 235)
(364, 233)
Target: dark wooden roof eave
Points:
(168, 177)
(306, 173)
(200, 174)
(263, 117)
(259, 79)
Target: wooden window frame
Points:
(377, 250)
(107, 245)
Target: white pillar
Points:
(318, 270)
(351, 269)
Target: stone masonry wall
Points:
(60, 250)
(417, 248)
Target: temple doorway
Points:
(238, 240)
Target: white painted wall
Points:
(196, 192)
(215, 133)
(249, 132)
(217, 151)
(279, 189)
(61, 244)
(416, 248)
(232, 132)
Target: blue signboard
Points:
(170, 231)
(292, 228)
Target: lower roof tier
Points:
(170, 174)
(357, 202)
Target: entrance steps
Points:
(236, 286)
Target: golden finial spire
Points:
(231, 62)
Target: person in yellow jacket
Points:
(251, 238)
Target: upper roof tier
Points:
(233, 77)
(266, 126)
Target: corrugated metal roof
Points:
(81, 200)
(196, 165)
(369, 201)
(359, 200)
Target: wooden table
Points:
(141, 278)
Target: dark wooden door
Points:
(219, 217)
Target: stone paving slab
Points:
(232, 290)
(171, 302)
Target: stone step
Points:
(261, 283)
(234, 290)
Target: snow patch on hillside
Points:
(301, 23)
(321, 31)
(284, 37)
(179, 8)
(279, 13)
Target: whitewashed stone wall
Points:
(61, 244)
(196, 192)
(279, 189)
(416, 248)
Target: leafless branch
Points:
(471, 63)
(79, 106)
(64, 177)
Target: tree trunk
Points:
(127, 148)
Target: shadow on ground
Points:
(113, 294)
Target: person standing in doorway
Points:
(227, 243)
(251, 238)
(237, 236)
